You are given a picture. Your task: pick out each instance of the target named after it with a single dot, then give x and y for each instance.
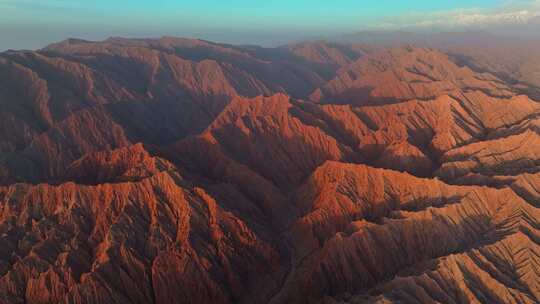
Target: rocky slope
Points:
(184, 171)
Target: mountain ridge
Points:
(184, 171)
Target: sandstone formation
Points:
(185, 171)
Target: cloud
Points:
(510, 14)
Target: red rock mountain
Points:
(185, 171)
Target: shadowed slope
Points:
(364, 226)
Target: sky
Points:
(32, 24)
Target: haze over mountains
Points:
(398, 170)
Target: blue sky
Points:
(35, 23)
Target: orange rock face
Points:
(184, 171)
